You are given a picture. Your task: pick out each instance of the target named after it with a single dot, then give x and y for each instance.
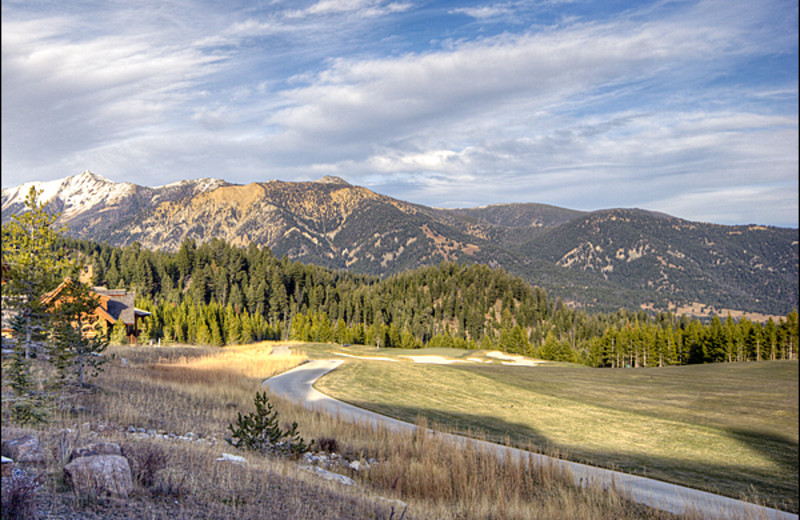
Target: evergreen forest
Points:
(218, 294)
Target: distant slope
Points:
(601, 260)
(733, 267)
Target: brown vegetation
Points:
(199, 390)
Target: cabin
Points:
(115, 305)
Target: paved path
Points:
(297, 385)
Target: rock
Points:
(100, 474)
(124, 362)
(233, 458)
(96, 448)
(8, 465)
(355, 466)
(329, 475)
(24, 449)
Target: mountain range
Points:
(600, 260)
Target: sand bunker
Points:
(513, 359)
(434, 360)
(371, 358)
(506, 359)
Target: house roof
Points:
(118, 303)
(115, 304)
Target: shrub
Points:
(328, 444)
(260, 431)
(19, 495)
(146, 460)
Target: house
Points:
(117, 305)
(114, 305)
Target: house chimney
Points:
(87, 273)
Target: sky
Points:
(685, 107)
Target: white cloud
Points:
(628, 110)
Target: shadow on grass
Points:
(777, 489)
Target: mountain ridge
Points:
(602, 259)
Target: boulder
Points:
(8, 465)
(236, 459)
(329, 475)
(25, 449)
(100, 474)
(96, 448)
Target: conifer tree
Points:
(119, 333)
(31, 268)
(77, 343)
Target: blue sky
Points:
(685, 107)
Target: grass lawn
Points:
(726, 428)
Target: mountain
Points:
(598, 260)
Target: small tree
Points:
(32, 266)
(78, 342)
(119, 333)
(261, 432)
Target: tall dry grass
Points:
(201, 390)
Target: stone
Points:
(329, 475)
(24, 449)
(232, 458)
(109, 474)
(355, 466)
(96, 448)
(8, 465)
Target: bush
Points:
(19, 495)
(146, 460)
(260, 431)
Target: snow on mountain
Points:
(77, 193)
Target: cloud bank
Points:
(687, 108)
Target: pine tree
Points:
(31, 267)
(260, 431)
(77, 344)
(119, 333)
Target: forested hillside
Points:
(219, 294)
(596, 261)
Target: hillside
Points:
(601, 260)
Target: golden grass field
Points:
(200, 390)
(730, 429)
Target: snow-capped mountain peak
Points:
(72, 195)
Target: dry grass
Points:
(200, 390)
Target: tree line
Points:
(218, 294)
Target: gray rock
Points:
(96, 448)
(100, 474)
(232, 458)
(24, 449)
(329, 475)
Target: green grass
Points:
(725, 428)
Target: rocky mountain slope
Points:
(603, 260)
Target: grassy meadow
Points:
(181, 389)
(726, 428)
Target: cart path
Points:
(297, 385)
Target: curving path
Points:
(297, 384)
